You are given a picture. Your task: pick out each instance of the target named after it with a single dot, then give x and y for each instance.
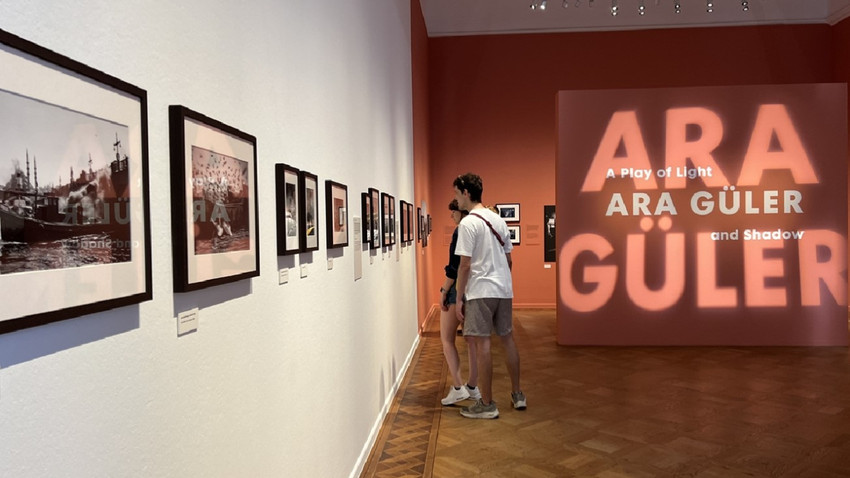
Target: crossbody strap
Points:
(498, 237)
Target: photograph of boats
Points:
(220, 196)
(64, 200)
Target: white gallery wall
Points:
(279, 379)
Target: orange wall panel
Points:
(492, 107)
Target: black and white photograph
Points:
(286, 199)
(64, 201)
(508, 212)
(74, 207)
(549, 244)
(308, 224)
(386, 219)
(220, 196)
(214, 219)
(513, 232)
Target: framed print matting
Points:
(386, 218)
(336, 213)
(214, 193)
(508, 212)
(513, 232)
(309, 224)
(74, 200)
(288, 209)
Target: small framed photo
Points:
(336, 213)
(392, 220)
(309, 223)
(288, 209)
(419, 224)
(366, 212)
(409, 219)
(386, 219)
(375, 203)
(513, 232)
(404, 227)
(213, 186)
(75, 235)
(508, 212)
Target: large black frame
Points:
(225, 246)
(309, 206)
(45, 295)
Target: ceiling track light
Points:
(709, 6)
(565, 3)
(641, 8)
(677, 6)
(615, 8)
(745, 5)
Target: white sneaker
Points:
(455, 395)
(474, 393)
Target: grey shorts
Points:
(485, 316)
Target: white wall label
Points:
(187, 321)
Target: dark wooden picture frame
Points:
(104, 231)
(336, 213)
(375, 203)
(288, 209)
(386, 219)
(309, 222)
(514, 234)
(214, 217)
(404, 227)
(366, 213)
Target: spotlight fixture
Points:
(565, 3)
(677, 6)
(745, 5)
(542, 5)
(590, 3)
(614, 8)
(641, 8)
(709, 6)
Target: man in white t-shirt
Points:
(485, 292)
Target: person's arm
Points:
(510, 262)
(444, 291)
(462, 279)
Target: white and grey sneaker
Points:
(479, 410)
(455, 395)
(518, 400)
(474, 392)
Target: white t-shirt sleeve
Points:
(465, 240)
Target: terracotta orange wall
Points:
(492, 106)
(419, 55)
(841, 63)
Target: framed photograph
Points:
(366, 212)
(309, 222)
(419, 224)
(336, 213)
(509, 212)
(410, 235)
(375, 202)
(214, 194)
(74, 200)
(549, 248)
(392, 220)
(513, 232)
(386, 219)
(288, 209)
(403, 226)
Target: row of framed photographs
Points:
(80, 242)
(379, 219)
(297, 201)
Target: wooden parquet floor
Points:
(612, 412)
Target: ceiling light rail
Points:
(540, 5)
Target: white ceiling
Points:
(482, 17)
